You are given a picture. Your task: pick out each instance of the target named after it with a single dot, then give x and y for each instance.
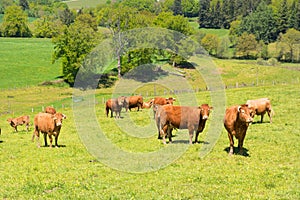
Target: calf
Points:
(182, 117)
(133, 102)
(236, 122)
(49, 125)
(260, 107)
(115, 105)
(15, 122)
(50, 110)
(148, 104)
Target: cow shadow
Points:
(1, 141)
(187, 142)
(236, 151)
(258, 122)
(59, 146)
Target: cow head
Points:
(205, 110)
(122, 101)
(170, 100)
(244, 113)
(58, 118)
(252, 110)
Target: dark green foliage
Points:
(282, 17)
(204, 14)
(177, 9)
(66, 16)
(24, 4)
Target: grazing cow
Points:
(148, 104)
(182, 117)
(162, 101)
(15, 122)
(115, 105)
(236, 122)
(133, 102)
(260, 107)
(49, 125)
(50, 110)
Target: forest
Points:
(263, 30)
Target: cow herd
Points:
(167, 117)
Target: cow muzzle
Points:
(205, 117)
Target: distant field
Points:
(26, 62)
(77, 4)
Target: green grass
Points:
(77, 4)
(26, 62)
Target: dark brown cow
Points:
(182, 117)
(15, 122)
(236, 121)
(50, 110)
(49, 125)
(115, 105)
(260, 107)
(133, 102)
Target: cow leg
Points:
(163, 132)
(56, 139)
(169, 133)
(230, 136)
(262, 117)
(27, 127)
(241, 142)
(45, 139)
(16, 130)
(270, 115)
(196, 137)
(50, 138)
(191, 133)
(37, 134)
(111, 113)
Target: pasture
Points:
(271, 171)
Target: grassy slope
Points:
(26, 62)
(74, 4)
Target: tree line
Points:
(253, 27)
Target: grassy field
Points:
(26, 62)
(271, 171)
(77, 4)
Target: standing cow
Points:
(182, 117)
(50, 110)
(260, 107)
(236, 122)
(49, 125)
(162, 101)
(133, 102)
(115, 105)
(15, 122)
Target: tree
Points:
(282, 17)
(74, 44)
(204, 11)
(4, 4)
(261, 23)
(47, 27)
(292, 40)
(228, 12)
(190, 8)
(246, 44)
(210, 42)
(66, 16)
(294, 15)
(177, 9)
(15, 22)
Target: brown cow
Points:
(236, 121)
(15, 122)
(182, 117)
(162, 101)
(133, 102)
(49, 125)
(260, 107)
(50, 110)
(115, 105)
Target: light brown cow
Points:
(260, 107)
(133, 102)
(50, 110)
(182, 117)
(115, 105)
(236, 122)
(49, 125)
(148, 104)
(15, 122)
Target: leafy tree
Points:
(246, 44)
(228, 12)
(15, 22)
(262, 50)
(66, 16)
(4, 4)
(177, 9)
(47, 27)
(142, 5)
(292, 40)
(204, 11)
(74, 44)
(234, 31)
(24, 4)
(190, 8)
(261, 23)
(294, 15)
(282, 17)
(210, 42)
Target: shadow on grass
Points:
(1, 141)
(59, 146)
(236, 151)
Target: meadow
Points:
(270, 171)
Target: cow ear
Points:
(239, 109)
(174, 99)
(211, 108)
(64, 116)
